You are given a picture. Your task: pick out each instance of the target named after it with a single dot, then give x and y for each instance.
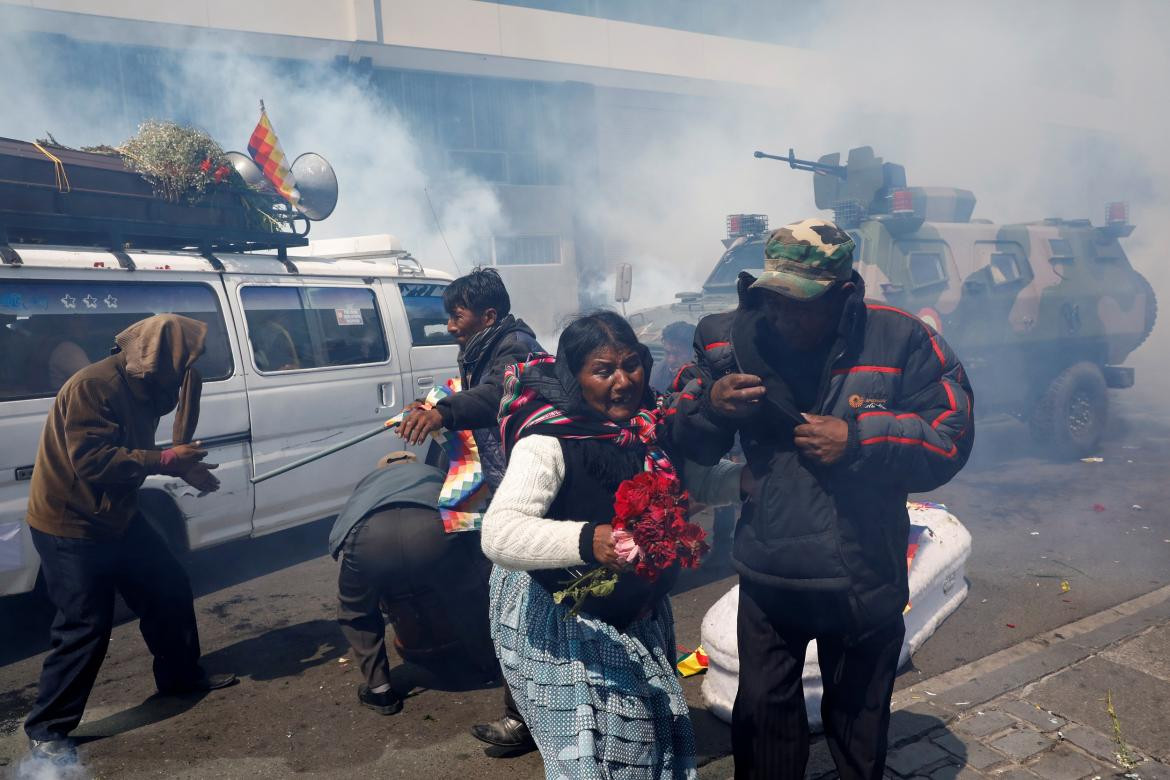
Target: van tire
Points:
(165, 518)
(1069, 419)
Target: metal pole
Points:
(391, 423)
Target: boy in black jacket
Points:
(490, 339)
(843, 407)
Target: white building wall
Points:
(511, 41)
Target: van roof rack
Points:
(119, 235)
(67, 197)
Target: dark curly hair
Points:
(480, 290)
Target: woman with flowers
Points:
(588, 531)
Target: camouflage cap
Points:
(804, 259)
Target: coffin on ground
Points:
(937, 553)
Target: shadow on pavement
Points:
(153, 710)
(26, 618)
(942, 756)
(283, 652)
(712, 736)
(919, 740)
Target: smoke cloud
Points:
(390, 181)
(1006, 100)
(31, 768)
(1003, 99)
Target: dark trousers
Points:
(769, 724)
(401, 557)
(81, 577)
(723, 527)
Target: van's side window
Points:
(425, 312)
(49, 330)
(294, 328)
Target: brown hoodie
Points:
(98, 442)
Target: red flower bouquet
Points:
(650, 531)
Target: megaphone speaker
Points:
(317, 184)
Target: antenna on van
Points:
(442, 235)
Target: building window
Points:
(527, 250)
(51, 330)
(490, 166)
(295, 328)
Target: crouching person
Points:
(396, 554)
(96, 450)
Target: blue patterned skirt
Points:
(602, 704)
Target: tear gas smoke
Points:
(1001, 99)
(1042, 110)
(387, 175)
(31, 768)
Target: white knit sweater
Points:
(518, 535)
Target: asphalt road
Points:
(266, 611)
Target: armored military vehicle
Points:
(1042, 313)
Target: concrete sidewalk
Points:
(1039, 709)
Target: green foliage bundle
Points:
(180, 162)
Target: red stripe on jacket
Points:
(942, 362)
(934, 344)
(908, 440)
(954, 407)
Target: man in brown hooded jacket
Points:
(96, 450)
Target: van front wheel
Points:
(1070, 418)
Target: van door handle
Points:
(425, 381)
(386, 395)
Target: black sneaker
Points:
(384, 703)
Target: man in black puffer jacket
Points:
(490, 339)
(843, 407)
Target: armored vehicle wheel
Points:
(1070, 417)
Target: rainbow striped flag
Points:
(465, 494)
(265, 149)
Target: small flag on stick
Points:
(265, 150)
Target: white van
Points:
(301, 353)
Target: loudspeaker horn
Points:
(317, 184)
(249, 171)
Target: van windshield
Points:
(49, 330)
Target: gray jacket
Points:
(413, 484)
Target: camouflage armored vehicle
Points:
(1042, 313)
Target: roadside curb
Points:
(944, 697)
(996, 674)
